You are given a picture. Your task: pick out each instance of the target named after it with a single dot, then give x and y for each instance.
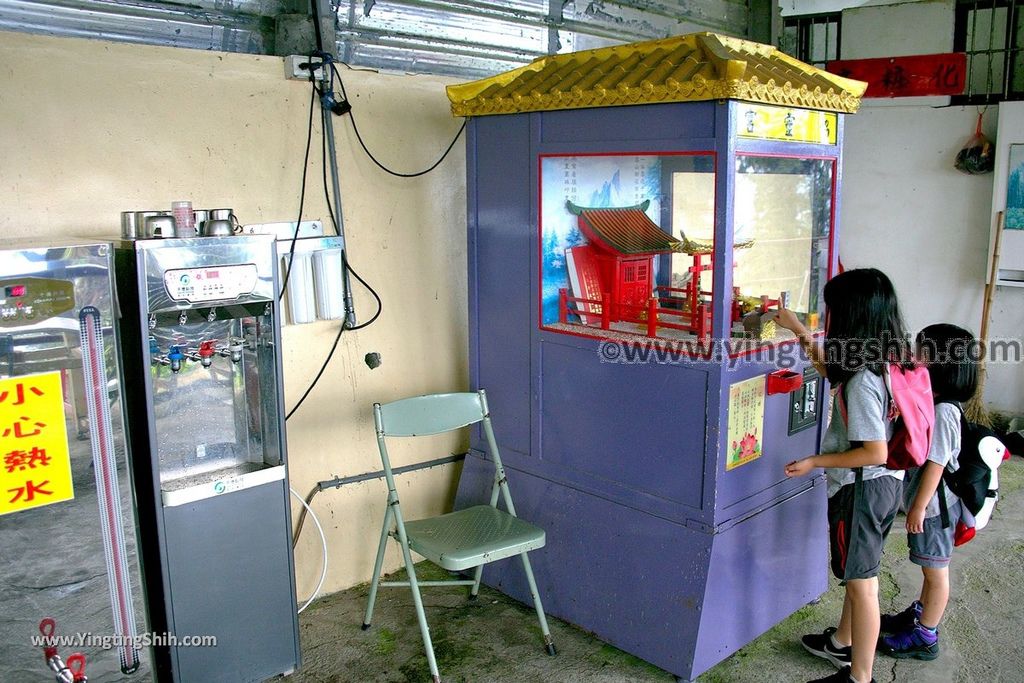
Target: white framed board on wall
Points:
(1008, 195)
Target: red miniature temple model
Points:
(613, 275)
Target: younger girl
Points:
(947, 351)
(863, 331)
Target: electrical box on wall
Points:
(803, 402)
(296, 67)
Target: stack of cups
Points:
(184, 218)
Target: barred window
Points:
(989, 31)
(812, 38)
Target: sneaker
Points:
(916, 642)
(905, 620)
(841, 676)
(822, 645)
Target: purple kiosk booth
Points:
(635, 214)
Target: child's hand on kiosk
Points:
(787, 319)
(799, 468)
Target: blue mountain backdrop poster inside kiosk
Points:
(593, 182)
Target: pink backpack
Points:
(912, 407)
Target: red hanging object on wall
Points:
(978, 155)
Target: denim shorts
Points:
(933, 547)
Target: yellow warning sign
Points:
(766, 122)
(36, 467)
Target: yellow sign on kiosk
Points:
(36, 462)
(765, 122)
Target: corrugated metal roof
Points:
(699, 66)
(204, 24)
(626, 230)
(474, 38)
(467, 38)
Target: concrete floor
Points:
(53, 565)
(497, 639)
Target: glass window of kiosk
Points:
(612, 232)
(627, 246)
(782, 241)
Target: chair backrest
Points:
(435, 414)
(431, 414)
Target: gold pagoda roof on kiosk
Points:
(695, 67)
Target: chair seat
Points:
(471, 537)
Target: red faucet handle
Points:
(76, 663)
(47, 627)
(207, 348)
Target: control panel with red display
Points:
(31, 299)
(214, 283)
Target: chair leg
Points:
(377, 567)
(477, 575)
(548, 642)
(420, 615)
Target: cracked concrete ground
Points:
(496, 639)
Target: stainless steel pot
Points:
(217, 227)
(160, 226)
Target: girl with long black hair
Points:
(864, 331)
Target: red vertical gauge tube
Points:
(108, 492)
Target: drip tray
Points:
(214, 483)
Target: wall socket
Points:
(294, 72)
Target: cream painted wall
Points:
(89, 128)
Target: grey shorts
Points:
(933, 547)
(858, 522)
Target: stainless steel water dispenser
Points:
(201, 337)
(70, 586)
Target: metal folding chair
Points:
(461, 540)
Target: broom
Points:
(975, 410)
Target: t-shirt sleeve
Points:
(866, 407)
(946, 434)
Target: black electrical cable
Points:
(323, 163)
(347, 266)
(316, 26)
(319, 374)
(344, 255)
(355, 129)
(380, 304)
(341, 329)
(302, 191)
